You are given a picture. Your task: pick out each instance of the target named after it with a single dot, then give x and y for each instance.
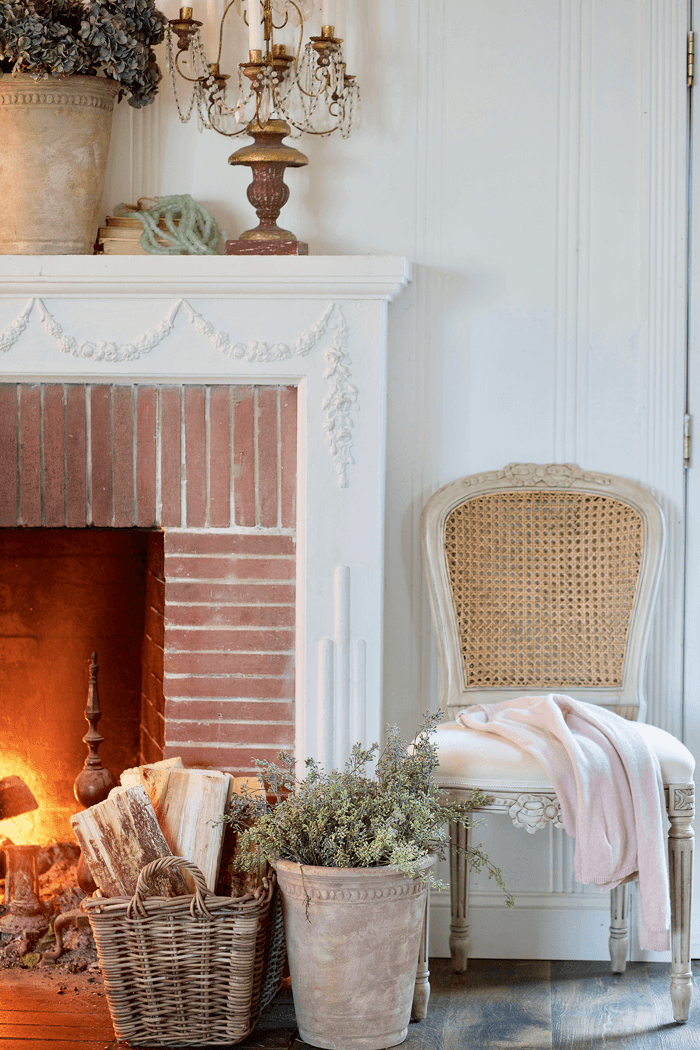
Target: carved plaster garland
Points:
(339, 403)
(256, 351)
(105, 351)
(11, 334)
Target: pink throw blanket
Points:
(610, 788)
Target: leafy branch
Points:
(346, 819)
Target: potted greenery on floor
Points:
(353, 855)
(62, 64)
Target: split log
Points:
(150, 772)
(15, 798)
(118, 837)
(190, 814)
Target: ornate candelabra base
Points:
(268, 193)
(243, 247)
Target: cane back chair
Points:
(543, 579)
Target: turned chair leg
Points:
(460, 837)
(680, 869)
(619, 941)
(421, 992)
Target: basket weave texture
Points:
(543, 585)
(189, 970)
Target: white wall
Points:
(529, 159)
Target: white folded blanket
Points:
(609, 784)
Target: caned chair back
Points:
(543, 579)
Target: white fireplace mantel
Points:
(321, 326)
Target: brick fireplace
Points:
(231, 412)
(210, 472)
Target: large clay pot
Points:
(55, 139)
(353, 959)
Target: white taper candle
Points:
(255, 29)
(211, 29)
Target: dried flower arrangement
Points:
(345, 819)
(58, 38)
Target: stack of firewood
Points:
(159, 810)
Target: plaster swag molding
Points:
(318, 323)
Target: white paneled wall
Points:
(530, 160)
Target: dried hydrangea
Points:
(113, 38)
(346, 819)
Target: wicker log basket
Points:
(188, 970)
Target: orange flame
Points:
(50, 822)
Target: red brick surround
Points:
(212, 470)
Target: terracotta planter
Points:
(55, 140)
(353, 960)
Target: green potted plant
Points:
(62, 65)
(353, 856)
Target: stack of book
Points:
(122, 236)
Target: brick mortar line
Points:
(207, 455)
(225, 627)
(228, 700)
(42, 477)
(87, 390)
(278, 408)
(230, 605)
(247, 555)
(239, 530)
(112, 512)
(256, 453)
(64, 395)
(244, 745)
(229, 722)
(183, 458)
(158, 453)
(275, 581)
(223, 700)
(18, 457)
(237, 652)
(177, 676)
(232, 460)
(134, 450)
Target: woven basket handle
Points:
(198, 905)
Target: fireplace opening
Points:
(63, 594)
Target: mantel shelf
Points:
(263, 277)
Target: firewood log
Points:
(190, 812)
(118, 837)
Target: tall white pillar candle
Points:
(327, 12)
(255, 29)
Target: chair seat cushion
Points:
(471, 759)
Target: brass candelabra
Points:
(306, 92)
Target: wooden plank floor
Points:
(508, 1005)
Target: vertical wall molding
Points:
(573, 205)
(664, 247)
